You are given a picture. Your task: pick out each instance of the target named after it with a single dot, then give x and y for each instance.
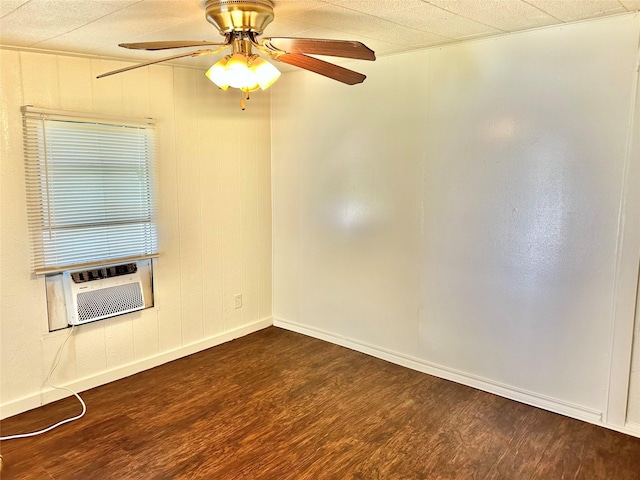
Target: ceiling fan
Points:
(241, 22)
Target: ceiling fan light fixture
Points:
(217, 74)
(238, 74)
(245, 73)
(265, 73)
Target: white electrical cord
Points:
(62, 422)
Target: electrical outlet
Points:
(238, 300)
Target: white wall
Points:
(459, 212)
(215, 223)
(633, 407)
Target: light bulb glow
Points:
(265, 73)
(246, 74)
(238, 74)
(217, 74)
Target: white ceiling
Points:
(387, 26)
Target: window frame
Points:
(143, 230)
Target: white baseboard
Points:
(507, 391)
(633, 428)
(51, 395)
(530, 398)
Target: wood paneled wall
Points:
(215, 221)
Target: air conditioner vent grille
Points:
(104, 272)
(109, 301)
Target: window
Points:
(90, 189)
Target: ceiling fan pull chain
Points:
(244, 95)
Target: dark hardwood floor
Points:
(278, 405)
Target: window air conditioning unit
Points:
(102, 292)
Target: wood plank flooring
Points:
(279, 405)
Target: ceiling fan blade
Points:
(319, 46)
(197, 53)
(321, 67)
(168, 44)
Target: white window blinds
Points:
(90, 189)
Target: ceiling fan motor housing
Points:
(239, 15)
